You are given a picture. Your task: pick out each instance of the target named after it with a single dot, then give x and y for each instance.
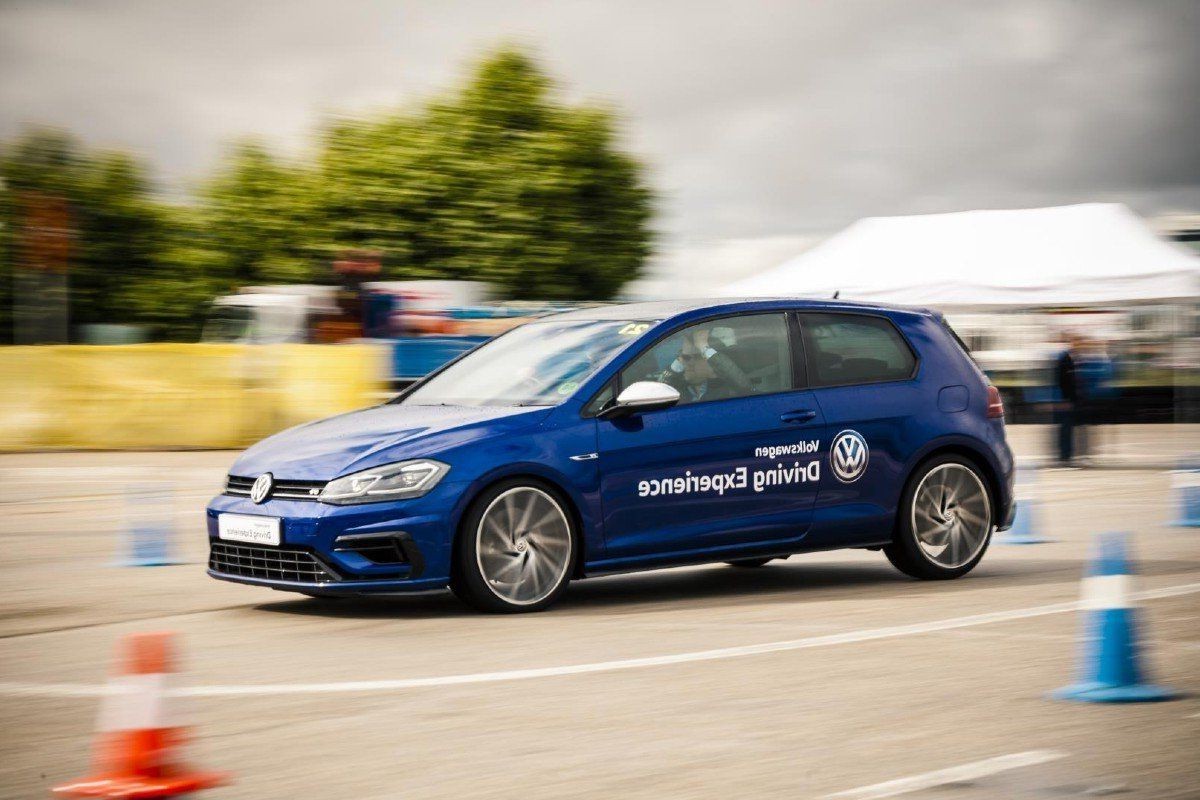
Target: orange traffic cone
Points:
(138, 735)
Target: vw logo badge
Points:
(261, 489)
(848, 456)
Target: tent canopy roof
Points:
(1069, 255)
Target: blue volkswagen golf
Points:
(630, 437)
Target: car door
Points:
(732, 464)
(863, 376)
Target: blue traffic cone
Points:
(149, 538)
(1185, 482)
(1111, 671)
(1024, 528)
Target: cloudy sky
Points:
(766, 124)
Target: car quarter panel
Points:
(902, 424)
(966, 427)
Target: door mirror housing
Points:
(641, 396)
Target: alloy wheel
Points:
(523, 545)
(951, 515)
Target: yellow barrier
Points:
(157, 396)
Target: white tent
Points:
(1092, 254)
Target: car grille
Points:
(273, 563)
(239, 486)
(378, 549)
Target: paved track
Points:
(826, 674)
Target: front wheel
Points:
(945, 520)
(517, 549)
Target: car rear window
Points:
(852, 348)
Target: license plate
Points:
(248, 528)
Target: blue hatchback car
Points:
(630, 437)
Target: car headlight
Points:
(401, 481)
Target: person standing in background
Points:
(1066, 382)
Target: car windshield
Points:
(227, 324)
(539, 363)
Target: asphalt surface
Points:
(824, 674)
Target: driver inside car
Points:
(703, 370)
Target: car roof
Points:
(668, 309)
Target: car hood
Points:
(328, 448)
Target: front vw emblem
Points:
(262, 487)
(848, 456)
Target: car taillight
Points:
(995, 406)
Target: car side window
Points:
(851, 348)
(720, 359)
(602, 399)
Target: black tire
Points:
(907, 552)
(469, 581)
(750, 563)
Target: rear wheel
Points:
(517, 549)
(945, 520)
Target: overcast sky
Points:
(765, 124)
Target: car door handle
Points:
(803, 415)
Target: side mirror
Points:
(641, 396)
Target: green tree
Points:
(7, 256)
(120, 234)
(259, 216)
(497, 183)
(115, 230)
(172, 301)
(131, 259)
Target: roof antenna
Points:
(835, 294)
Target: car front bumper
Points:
(401, 546)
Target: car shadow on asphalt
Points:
(821, 581)
(720, 585)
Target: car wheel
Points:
(516, 549)
(946, 520)
(750, 563)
